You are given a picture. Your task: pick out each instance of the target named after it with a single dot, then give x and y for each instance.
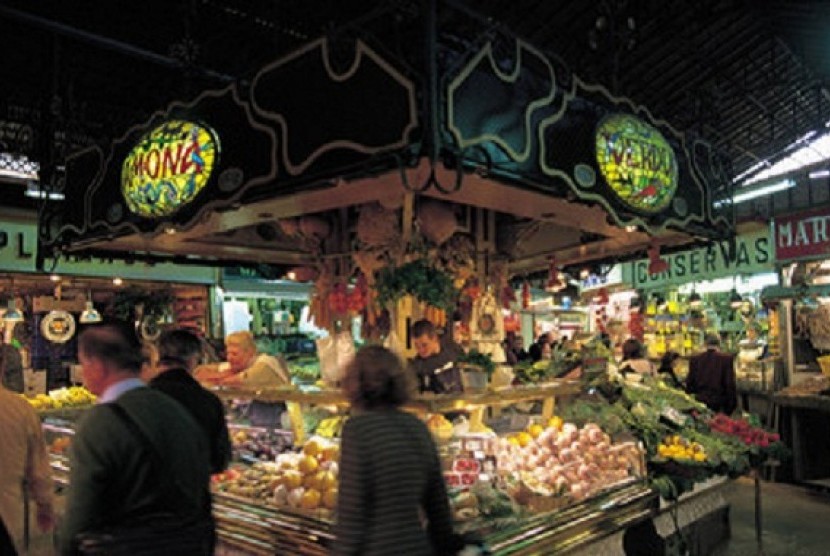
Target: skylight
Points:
(806, 152)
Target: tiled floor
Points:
(794, 520)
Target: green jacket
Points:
(112, 480)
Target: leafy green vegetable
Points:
(419, 279)
(474, 357)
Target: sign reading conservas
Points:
(753, 254)
(168, 167)
(802, 235)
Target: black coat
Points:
(207, 410)
(712, 380)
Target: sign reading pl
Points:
(802, 235)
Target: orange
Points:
(292, 479)
(311, 448)
(331, 453)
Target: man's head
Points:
(425, 339)
(240, 350)
(179, 348)
(712, 341)
(109, 352)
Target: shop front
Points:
(801, 249)
(715, 289)
(43, 311)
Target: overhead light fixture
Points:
(818, 174)
(13, 314)
(759, 192)
(117, 281)
(34, 191)
(90, 314)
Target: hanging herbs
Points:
(157, 303)
(418, 279)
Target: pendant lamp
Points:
(735, 299)
(13, 314)
(90, 314)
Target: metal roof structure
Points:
(747, 77)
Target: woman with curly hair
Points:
(392, 497)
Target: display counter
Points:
(804, 418)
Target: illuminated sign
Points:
(168, 167)
(637, 162)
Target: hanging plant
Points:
(156, 303)
(418, 279)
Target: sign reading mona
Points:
(637, 162)
(168, 167)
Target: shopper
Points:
(634, 363)
(179, 352)
(712, 377)
(432, 357)
(541, 347)
(390, 475)
(11, 368)
(23, 464)
(139, 462)
(666, 369)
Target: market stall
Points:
(430, 204)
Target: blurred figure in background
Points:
(712, 377)
(390, 474)
(24, 463)
(11, 367)
(634, 361)
(541, 348)
(666, 369)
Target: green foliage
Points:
(418, 279)
(474, 357)
(155, 302)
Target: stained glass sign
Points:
(637, 162)
(168, 167)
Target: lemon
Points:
(307, 465)
(535, 430)
(311, 499)
(524, 439)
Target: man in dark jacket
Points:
(711, 378)
(138, 459)
(179, 353)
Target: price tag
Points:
(478, 454)
(673, 416)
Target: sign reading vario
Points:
(168, 167)
(637, 162)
